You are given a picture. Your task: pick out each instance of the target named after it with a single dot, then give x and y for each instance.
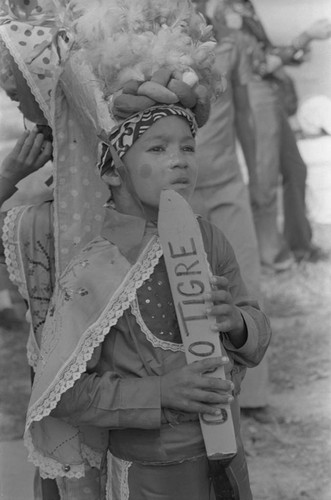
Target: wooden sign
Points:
(189, 275)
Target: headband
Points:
(123, 136)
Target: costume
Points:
(138, 347)
(277, 152)
(90, 286)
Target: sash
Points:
(92, 293)
(90, 296)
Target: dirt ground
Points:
(289, 458)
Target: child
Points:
(137, 383)
(111, 371)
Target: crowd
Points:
(129, 99)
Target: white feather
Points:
(125, 39)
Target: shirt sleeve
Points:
(289, 54)
(110, 401)
(223, 263)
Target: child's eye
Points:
(189, 149)
(156, 149)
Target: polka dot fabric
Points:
(157, 307)
(33, 10)
(79, 191)
(30, 47)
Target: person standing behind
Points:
(221, 194)
(277, 151)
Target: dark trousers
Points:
(279, 164)
(297, 229)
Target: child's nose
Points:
(178, 160)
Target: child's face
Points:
(163, 158)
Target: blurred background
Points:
(285, 19)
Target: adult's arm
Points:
(294, 53)
(245, 130)
(243, 117)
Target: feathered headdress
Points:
(145, 52)
(90, 65)
(126, 43)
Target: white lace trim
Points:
(155, 341)
(92, 338)
(109, 492)
(54, 469)
(117, 478)
(92, 456)
(13, 251)
(125, 491)
(32, 350)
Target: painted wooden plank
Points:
(189, 275)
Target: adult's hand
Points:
(273, 63)
(319, 30)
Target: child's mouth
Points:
(184, 181)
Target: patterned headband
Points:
(128, 132)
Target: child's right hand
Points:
(30, 153)
(191, 390)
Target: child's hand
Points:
(228, 316)
(30, 153)
(190, 389)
